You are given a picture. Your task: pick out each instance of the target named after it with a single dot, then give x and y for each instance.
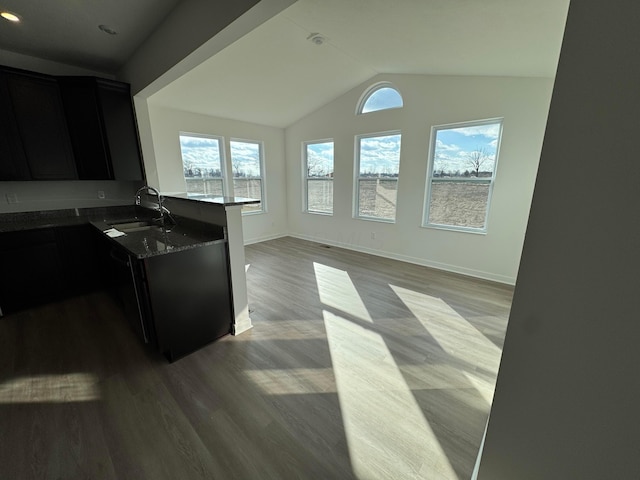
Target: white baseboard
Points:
(406, 258)
(249, 241)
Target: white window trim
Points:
(356, 176)
(305, 178)
(263, 180)
(370, 91)
(427, 195)
(222, 152)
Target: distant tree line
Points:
(197, 172)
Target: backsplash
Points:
(57, 195)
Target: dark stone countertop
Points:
(14, 222)
(217, 200)
(185, 234)
(159, 240)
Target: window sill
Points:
(374, 219)
(451, 228)
(323, 214)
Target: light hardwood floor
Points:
(357, 367)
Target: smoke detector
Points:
(317, 38)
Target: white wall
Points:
(566, 404)
(429, 100)
(166, 125)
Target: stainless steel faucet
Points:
(160, 199)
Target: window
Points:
(460, 180)
(377, 168)
(202, 164)
(246, 162)
(318, 171)
(382, 96)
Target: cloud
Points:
(245, 158)
(380, 154)
(447, 147)
(320, 157)
(490, 131)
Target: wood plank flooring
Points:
(357, 367)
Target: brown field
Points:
(461, 204)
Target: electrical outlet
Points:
(101, 194)
(11, 198)
(373, 235)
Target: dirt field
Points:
(452, 203)
(460, 204)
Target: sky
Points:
(204, 153)
(382, 99)
(200, 152)
(453, 146)
(320, 158)
(380, 154)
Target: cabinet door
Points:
(31, 269)
(84, 121)
(42, 126)
(80, 254)
(120, 130)
(13, 163)
(190, 298)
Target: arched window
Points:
(382, 96)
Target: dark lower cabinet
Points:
(82, 258)
(31, 269)
(183, 299)
(48, 264)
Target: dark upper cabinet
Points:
(66, 128)
(41, 125)
(120, 129)
(13, 162)
(103, 128)
(84, 121)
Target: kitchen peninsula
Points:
(226, 212)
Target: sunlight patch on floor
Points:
(454, 333)
(383, 443)
(293, 381)
(336, 289)
(65, 388)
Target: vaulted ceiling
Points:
(276, 74)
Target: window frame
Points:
(373, 89)
(356, 176)
(305, 176)
(221, 153)
(262, 177)
(430, 168)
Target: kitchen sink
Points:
(136, 226)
